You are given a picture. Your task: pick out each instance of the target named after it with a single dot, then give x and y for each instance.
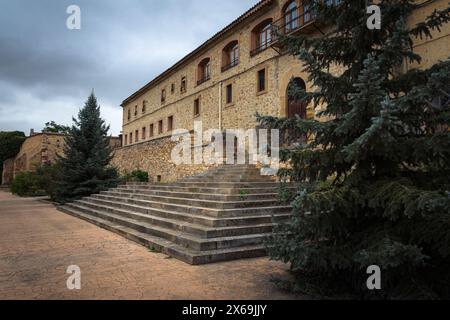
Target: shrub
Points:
(29, 184)
(135, 176)
(49, 175)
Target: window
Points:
(136, 136)
(172, 88)
(170, 123)
(152, 130)
(183, 85)
(196, 107)
(332, 2)
(129, 114)
(126, 140)
(262, 80)
(131, 137)
(261, 37)
(163, 95)
(204, 71)
(144, 133)
(144, 106)
(291, 17)
(230, 56)
(229, 94)
(158, 178)
(135, 111)
(160, 127)
(265, 37)
(308, 11)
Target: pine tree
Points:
(373, 177)
(84, 167)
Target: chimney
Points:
(31, 132)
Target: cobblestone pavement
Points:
(38, 243)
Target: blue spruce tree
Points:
(85, 166)
(373, 177)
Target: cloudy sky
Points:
(48, 71)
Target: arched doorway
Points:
(295, 107)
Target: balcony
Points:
(292, 22)
(204, 79)
(263, 46)
(230, 65)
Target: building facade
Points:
(37, 150)
(240, 71)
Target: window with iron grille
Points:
(152, 130)
(183, 86)
(170, 123)
(229, 91)
(262, 80)
(196, 107)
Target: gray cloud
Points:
(47, 71)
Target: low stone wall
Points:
(154, 157)
(8, 171)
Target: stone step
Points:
(144, 206)
(213, 184)
(177, 225)
(232, 170)
(229, 172)
(167, 247)
(181, 238)
(225, 184)
(196, 195)
(230, 190)
(192, 218)
(243, 203)
(222, 214)
(235, 179)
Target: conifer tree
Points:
(373, 177)
(85, 166)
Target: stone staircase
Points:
(223, 214)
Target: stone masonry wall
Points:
(154, 157)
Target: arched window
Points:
(204, 71)
(291, 17)
(261, 36)
(230, 55)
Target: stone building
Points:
(37, 150)
(241, 70)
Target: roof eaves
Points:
(253, 10)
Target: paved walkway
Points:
(38, 243)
